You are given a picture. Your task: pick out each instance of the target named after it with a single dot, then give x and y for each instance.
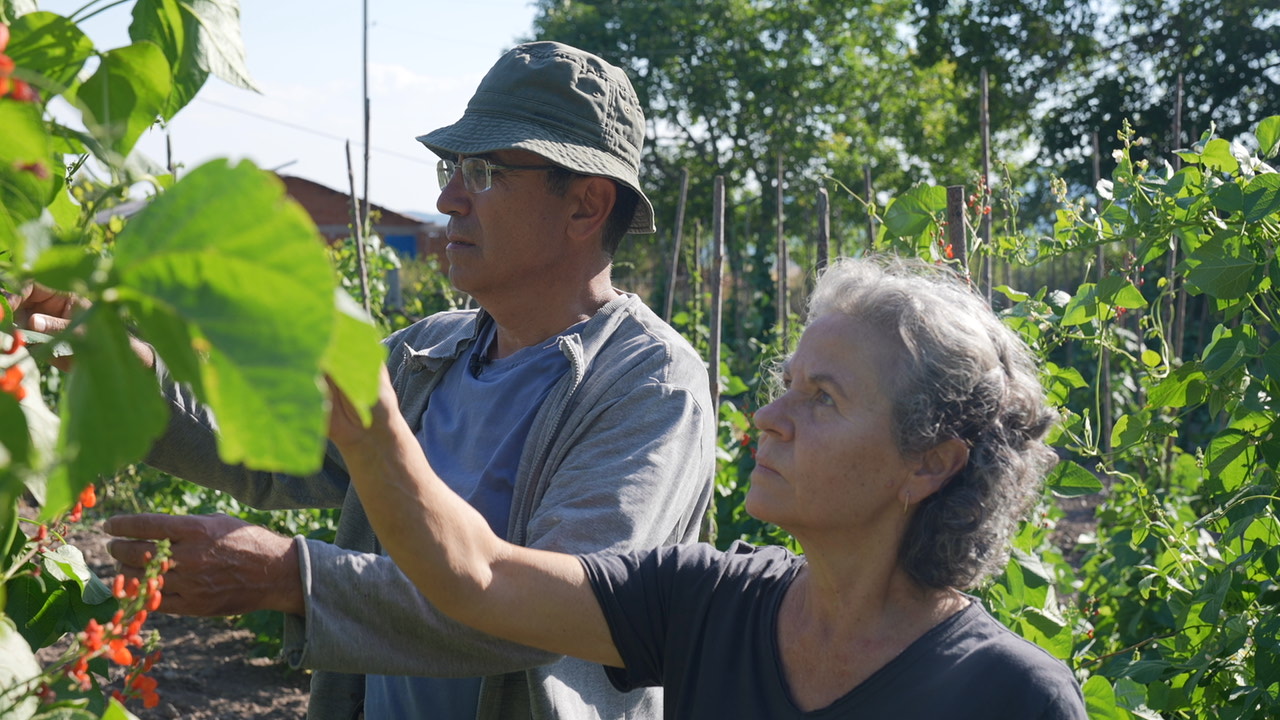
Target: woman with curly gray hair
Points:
(903, 449)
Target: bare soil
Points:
(206, 671)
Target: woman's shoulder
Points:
(979, 647)
(701, 563)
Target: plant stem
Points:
(95, 12)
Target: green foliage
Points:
(223, 276)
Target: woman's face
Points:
(826, 457)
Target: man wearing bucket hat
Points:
(568, 414)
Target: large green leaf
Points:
(1100, 700)
(50, 45)
(172, 26)
(19, 673)
(1217, 155)
(111, 411)
(1230, 458)
(912, 212)
(1119, 291)
(1068, 479)
(1184, 386)
(1223, 267)
(1083, 307)
(242, 266)
(219, 49)
(354, 356)
(1268, 134)
(126, 94)
(1262, 197)
(26, 162)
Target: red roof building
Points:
(330, 210)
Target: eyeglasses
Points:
(477, 172)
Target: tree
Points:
(729, 85)
(1087, 70)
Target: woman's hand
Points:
(345, 428)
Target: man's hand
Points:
(45, 310)
(220, 565)
(49, 311)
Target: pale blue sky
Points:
(425, 59)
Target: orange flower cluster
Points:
(88, 498)
(115, 639)
(9, 85)
(11, 380)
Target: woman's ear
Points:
(936, 467)
(594, 198)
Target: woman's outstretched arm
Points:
(537, 598)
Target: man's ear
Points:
(936, 467)
(594, 198)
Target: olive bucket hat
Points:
(569, 106)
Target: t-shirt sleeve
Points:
(633, 597)
(636, 593)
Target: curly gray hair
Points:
(964, 375)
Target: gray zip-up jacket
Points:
(621, 456)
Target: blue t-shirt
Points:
(473, 431)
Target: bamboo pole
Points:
(782, 262)
(1105, 355)
(675, 244)
(984, 226)
(871, 218)
(824, 230)
(956, 234)
(358, 226)
(1180, 317)
(717, 284)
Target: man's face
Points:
(507, 240)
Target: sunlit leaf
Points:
(1083, 307)
(242, 266)
(1118, 291)
(19, 672)
(1262, 197)
(1068, 479)
(912, 212)
(126, 94)
(50, 45)
(354, 356)
(1100, 700)
(26, 162)
(218, 47)
(1218, 156)
(1268, 134)
(1184, 386)
(1229, 458)
(1127, 431)
(171, 25)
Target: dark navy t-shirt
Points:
(703, 624)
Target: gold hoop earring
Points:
(906, 502)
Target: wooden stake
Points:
(675, 244)
(358, 226)
(717, 284)
(782, 262)
(984, 225)
(956, 234)
(824, 230)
